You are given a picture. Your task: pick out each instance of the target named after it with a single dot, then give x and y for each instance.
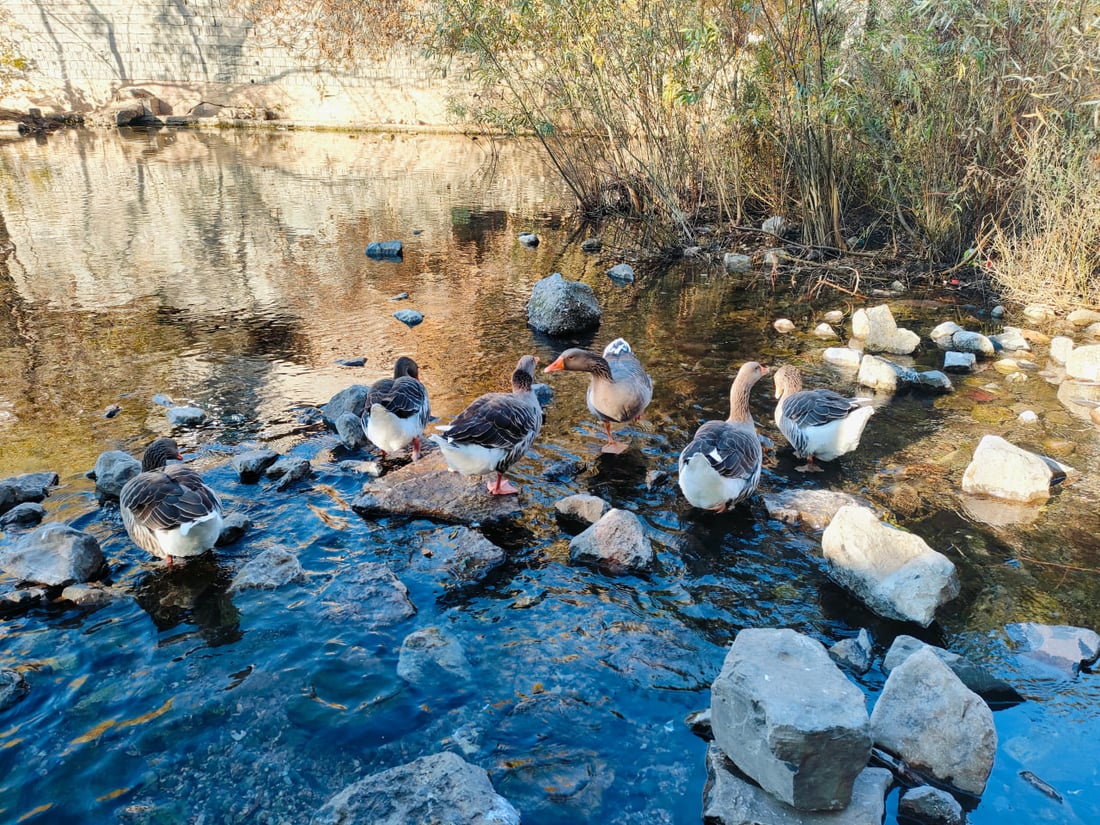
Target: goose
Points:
(397, 409)
(495, 430)
(721, 466)
(619, 389)
(819, 424)
(166, 509)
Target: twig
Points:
(1073, 567)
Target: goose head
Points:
(159, 453)
(581, 360)
(787, 380)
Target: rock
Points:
(1092, 330)
(997, 311)
(441, 788)
(234, 526)
(14, 600)
(1006, 366)
(369, 594)
(431, 658)
(349, 400)
(617, 540)
(843, 357)
(621, 272)
(1039, 313)
(784, 325)
(560, 307)
(896, 574)
(385, 249)
(462, 555)
(813, 507)
(834, 316)
(882, 374)
(54, 555)
(29, 487)
(996, 692)
(775, 224)
(880, 333)
(428, 489)
(274, 567)
(27, 514)
(929, 718)
(1035, 337)
(351, 362)
(528, 239)
(367, 468)
(1060, 348)
(7, 498)
(854, 653)
(565, 469)
(185, 416)
(1083, 317)
(162, 400)
(774, 257)
(250, 465)
(935, 381)
(787, 717)
(698, 722)
(1083, 363)
(591, 245)
(544, 393)
(735, 262)
(409, 317)
(729, 799)
(400, 296)
(288, 470)
(582, 507)
(1028, 417)
(350, 429)
(943, 334)
(1002, 470)
(112, 470)
(88, 595)
(1062, 647)
(1012, 340)
(959, 361)
(13, 687)
(931, 806)
(975, 342)
(824, 332)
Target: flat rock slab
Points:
(457, 555)
(729, 799)
(1062, 647)
(812, 508)
(428, 489)
(441, 788)
(368, 593)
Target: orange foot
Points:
(500, 487)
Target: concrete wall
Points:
(88, 54)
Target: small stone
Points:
(1011, 340)
(185, 416)
(843, 357)
(834, 316)
(997, 311)
(621, 272)
(1006, 366)
(409, 317)
(289, 469)
(27, 514)
(784, 325)
(1060, 348)
(350, 429)
(1039, 313)
(1028, 417)
(400, 296)
(54, 555)
(775, 224)
(581, 507)
(617, 540)
(975, 342)
(959, 361)
(88, 595)
(111, 472)
(591, 245)
(13, 687)
(824, 331)
(736, 262)
(234, 526)
(528, 239)
(250, 465)
(774, 257)
(274, 567)
(883, 374)
(112, 410)
(854, 653)
(385, 250)
(931, 806)
(942, 335)
(351, 362)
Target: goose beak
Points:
(764, 370)
(557, 365)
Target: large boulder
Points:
(559, 307)
(441, 788)
(349, 400)
(428, 489)
(929, 718)
(54, 555)
(996, 692)
(617, 540)
(896, 574)
(787, 717)
(111, 472)
(729, 799)
(1083, 363)
(1002, 470)
(879, 332)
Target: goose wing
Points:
(405, 397)
(815, 408)
(734, 452)
(626, 396)
(163, 500)
(496, 421)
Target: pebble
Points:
(998, 311)
(1028, 417)
(1039, 313)
(401, 296)
(528, 239)
(784, 325)
(834, 316)
(351, 362)
(1006, 366)
(112, 411)
(824, 331)
(409, 316)
(621, 272)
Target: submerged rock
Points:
(13, 687)
(786, 716)
(1062, 647)
(730, 799)
(559, 307)
(462, 555)
(441, 788)
(934, 380)
(1002, 470)
(812, 507)
(617, 540)
(54, 555)
(274, 567)
(929, 718)
(185, 416)
(369, 594)
(433, 658)
(385, 249)
(995, 691)
(736, 262)
(111, 472)
(896, 574)
(428, 489)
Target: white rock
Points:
(975, 342)
(811, 507)
(1039, 313)
(735, 262)
(775, 224)
(929, 718)
(883, 374)
(1083, 317)
(941, 336)
(784, 325)
(824, 331)
(1028, 417)
(843, 357)
(896, 574)
(1011, 339)
(880, 333)
(617, 540)
(959, 361)
(834, 316)
(1003, 470)
(1092, 330)
(1083, 363)
(582, 507)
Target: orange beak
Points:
(556, 366)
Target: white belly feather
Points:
(389, 432)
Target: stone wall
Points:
(88, 54)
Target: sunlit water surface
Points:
(227, 270)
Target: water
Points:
(227, 270)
